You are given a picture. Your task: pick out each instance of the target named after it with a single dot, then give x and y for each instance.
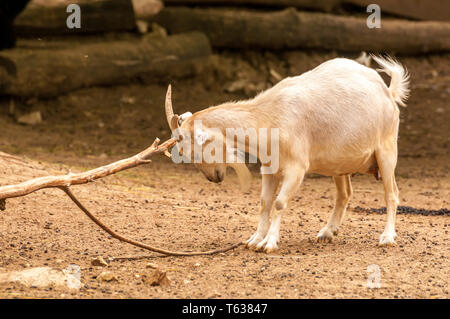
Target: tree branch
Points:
(63, 182)
(70, 179)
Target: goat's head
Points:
(204, 146)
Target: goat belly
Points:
(365, 164)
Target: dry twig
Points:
(63, 182)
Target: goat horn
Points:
(172, 119)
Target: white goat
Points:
(337, 119)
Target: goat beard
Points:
(244, 175)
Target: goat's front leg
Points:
(292, 178)
(343, 194)
(268, 191)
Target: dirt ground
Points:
(175, 207)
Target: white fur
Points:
(183, 117)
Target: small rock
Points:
(32, 118)
(157, 278)
(36, 277)
(107, 276)
(151, 265)
(99, 261)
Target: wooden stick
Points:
(63, 182)
(70, 179)
(139, 244)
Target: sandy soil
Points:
(174, 207)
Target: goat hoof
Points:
(253, 247)
(387, 244)
(387, 239)
(258, 248)
(324, 239)
(268, 245)
(325, 235)
(253, 241)
(270, 248)
(261, 245)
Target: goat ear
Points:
(183, 117)
(201, 136)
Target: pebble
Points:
(107, 276)
(99, 261)
(32, 118)
(157, 278)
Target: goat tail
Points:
(399, 86)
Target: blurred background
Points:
(97, 88)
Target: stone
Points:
(32, 118)
(107, 276)
(99, 261)
(40, 277)
(157, 278)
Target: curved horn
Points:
(172, 119)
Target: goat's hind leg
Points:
(343, 193)
(268, 191)
(387, 160)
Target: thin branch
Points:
(136, 243)
(67, 180)
(64, 181)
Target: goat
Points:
(335, 120)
